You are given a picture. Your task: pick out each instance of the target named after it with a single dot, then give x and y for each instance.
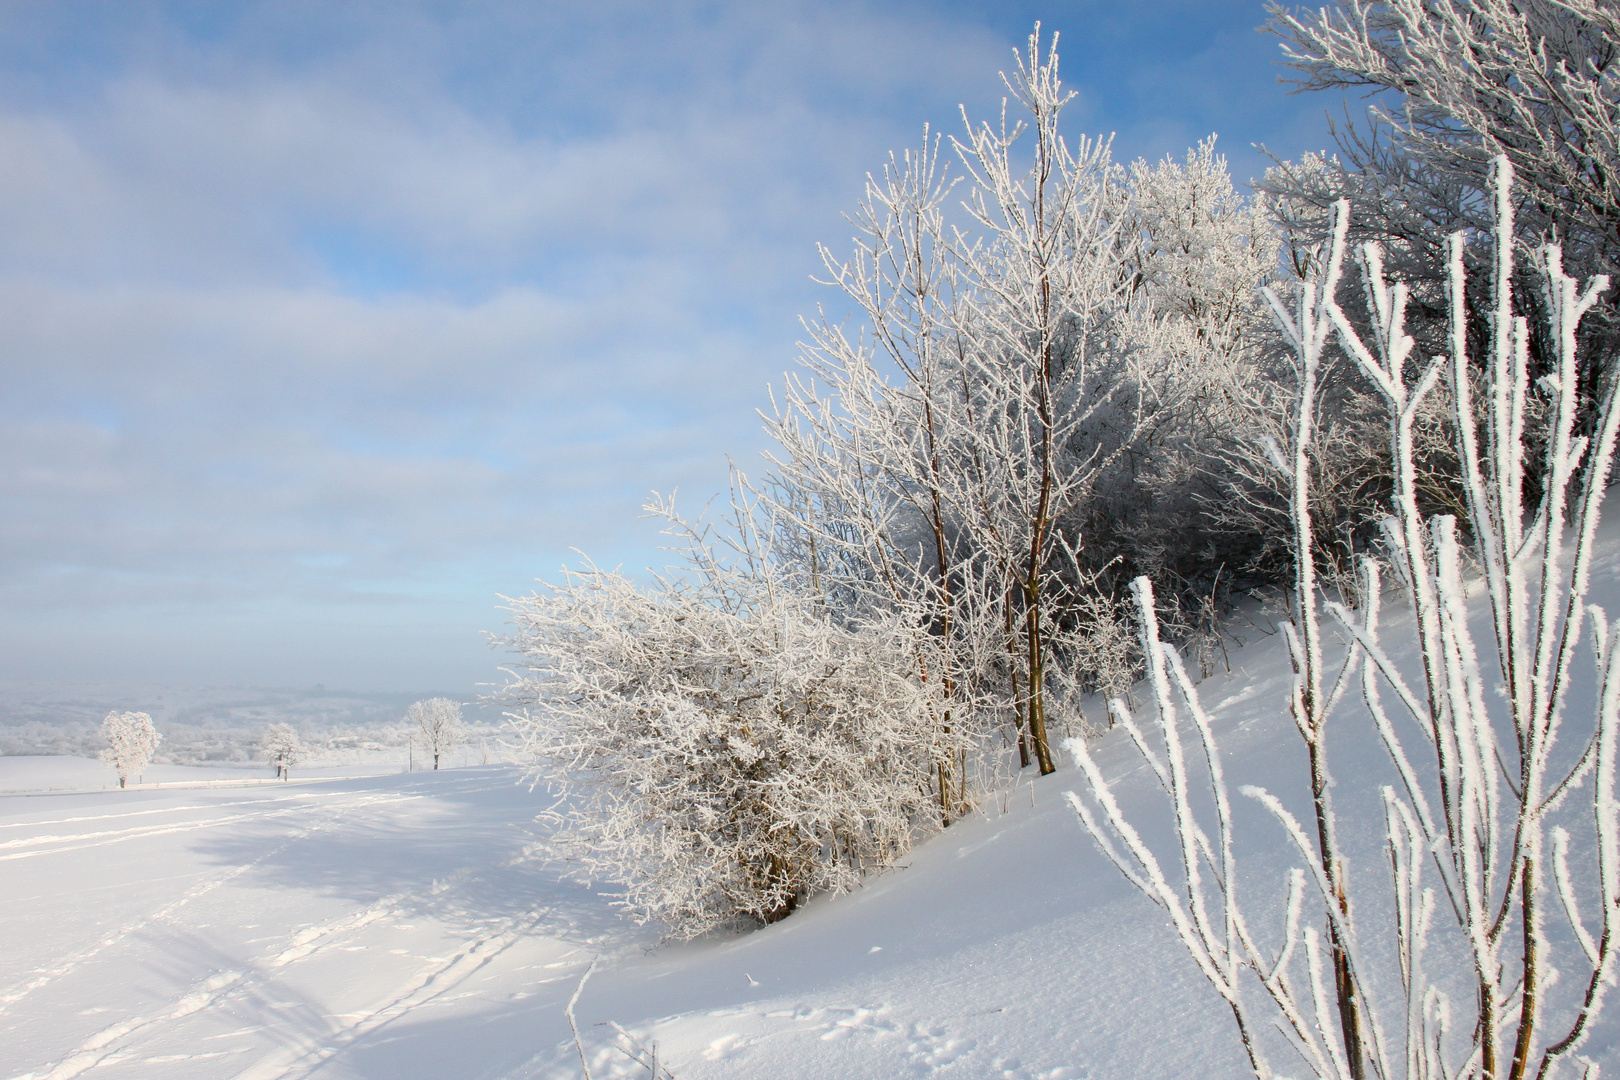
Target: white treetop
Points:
(439, 720)
(282, 748)
(131, 742)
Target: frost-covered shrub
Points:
(131, 741)
(722, 749)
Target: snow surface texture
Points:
(389, 927)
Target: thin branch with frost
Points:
(1501, 858)
(1308, 334)
(1203, 907)
(573, 1025)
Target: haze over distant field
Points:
(324, 324)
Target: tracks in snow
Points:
(303, 1054)
(43, 977)
(432, 981)
(28, 847)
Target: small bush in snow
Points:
(131, 742)
(722, 748)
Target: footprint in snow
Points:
(724, 1047)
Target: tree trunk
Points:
(1019, 729)
(1037, 677)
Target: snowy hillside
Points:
(388, 927)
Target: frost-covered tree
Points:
(1463, 82)
(281, 747)
(1048, 387)
(1455, 83)
(719, 746)
(131, 742)
(1502, 815)
(1173, 506)
(1039, 399)
(439, 721)
(864, 476)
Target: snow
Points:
(382, 927)
(46, 774)
(389, 926)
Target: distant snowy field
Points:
(41, 774)
(388, 926)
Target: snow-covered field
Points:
(384, 927)
(388, 926)
(59, 774)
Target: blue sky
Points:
(324, 324)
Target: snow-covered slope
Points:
(387, 927)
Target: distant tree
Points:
(281, 748)
(440, 721)
(131, 741)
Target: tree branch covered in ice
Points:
(1490, 799)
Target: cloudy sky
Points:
(323, 324)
